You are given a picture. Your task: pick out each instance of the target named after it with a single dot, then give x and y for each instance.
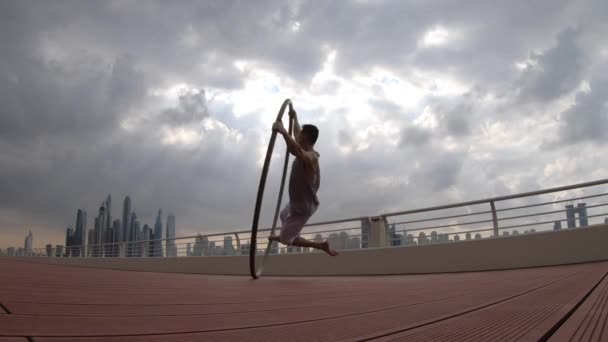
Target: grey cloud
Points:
(344, 138)
(192, 108)
(556, 71)
(587, 118)
(415, 136)
(454, 115)
(441, 171)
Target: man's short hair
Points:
(312, 132)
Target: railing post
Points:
(238, 243)
(494, 218)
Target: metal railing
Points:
(531, 212)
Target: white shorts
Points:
(292, 224)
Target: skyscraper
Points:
(69, 241)
(146, 237)
(109, 215)
(126, 223)
(116, 230)
(132, 235)
(29, 241)
(557, 225)
(365, 227)
(570, 215)
(158, 234)
(171, 247)
(228, 247)
(582, 214)
(79, 233)
(100, 229)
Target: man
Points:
(304, 182)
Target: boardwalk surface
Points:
(43, 302)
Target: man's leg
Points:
(324, 246)
(283, 215)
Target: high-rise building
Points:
(136, 239)
(126, 216)
(49, 250)
(69, 241)
(146, 237)
(171, 246)
(201, 246)
(434, 237)
(582, 214)
(422, 238)
(101, 224)
(570, 216)
(29, 241)
(393, 236)
(132, 237)
(158, 234)
(228, 247)
(557, 225)
(79, 233)
(91, 241)
(109, 213)
(188, 249)
(365, 229)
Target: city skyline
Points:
(106, 230)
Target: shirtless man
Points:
(304, 182)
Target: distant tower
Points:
(582, 214)
(557, 225)
(99, 234)
(171, 248)
(69, 240)
(29, 241)
(126, 223)
(422, 238)
(570, 216)
(365, 228)
(132, 234)
(79, 233)
(158, 234)
(109, 216)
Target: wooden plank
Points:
(590, 321)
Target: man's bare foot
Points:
(327, 249)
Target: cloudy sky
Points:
(418, 103)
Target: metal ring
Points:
(256, 272)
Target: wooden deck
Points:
(42, 302)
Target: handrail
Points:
(497, 199)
